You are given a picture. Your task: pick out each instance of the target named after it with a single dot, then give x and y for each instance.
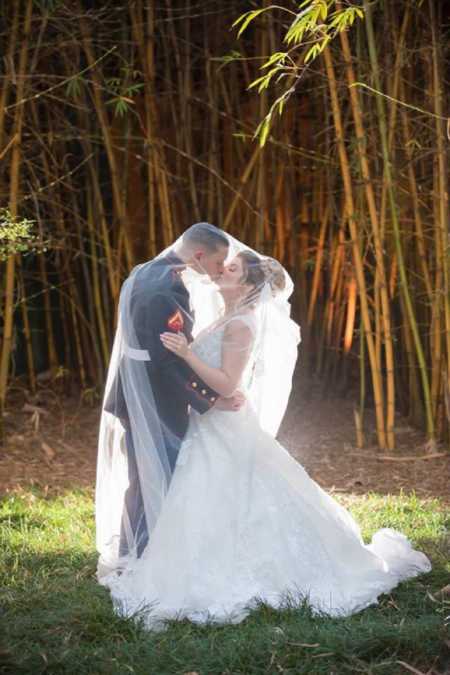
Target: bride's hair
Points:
(258, 271)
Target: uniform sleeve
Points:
(166, 313)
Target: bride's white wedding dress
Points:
(242, 522)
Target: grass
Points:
(56, 619)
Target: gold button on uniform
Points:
(212, 399)
(194, 384)
(204, 392)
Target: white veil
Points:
(144, 411)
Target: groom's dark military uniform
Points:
(159, 303)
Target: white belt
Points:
(136, 354)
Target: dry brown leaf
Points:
(34, 420)
(49, 452)
(65, 445)
(430, 446)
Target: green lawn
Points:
(56, 619)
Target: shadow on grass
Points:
(57, 620)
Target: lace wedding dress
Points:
(243, 522)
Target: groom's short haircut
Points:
(205, 235)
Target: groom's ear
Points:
(198, 255)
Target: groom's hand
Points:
(233, 403)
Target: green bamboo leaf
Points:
(309, 54)
(247, 18)
(297, 28)
(277, 57)
(336, 21)
(323, 9)
(325, 41)
(227, 58)
(73, 88)
(133, 88)
(263, 129)
(256, 82)
(121, 108)
(264, 80)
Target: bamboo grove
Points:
(121, 123)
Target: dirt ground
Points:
(51, 443)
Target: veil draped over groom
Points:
(150, 391)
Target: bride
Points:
(240, 520)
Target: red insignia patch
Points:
(176, 322)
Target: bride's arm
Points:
(237, 345)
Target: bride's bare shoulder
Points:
(240, 329)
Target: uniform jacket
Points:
(159, 303)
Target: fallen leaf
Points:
(49, 452)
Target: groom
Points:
(160, 303)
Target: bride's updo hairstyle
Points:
(259, 271)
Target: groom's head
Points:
(204, 247)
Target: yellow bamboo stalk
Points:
(351, 314)
(243, 180)
(394, 82)
(381, 282)
(73, 297)
(302, 284)
(105, 126)
(26, 329)
(318, 264)
(105, 347)
(8, 59)
(359, 269)
(51, 347)
(149, 89)
(443, 249)
(142, 25)
(338, 258)
(280, 222)
(419, 233)
(215, 203)
(13, 199)
(388, 175)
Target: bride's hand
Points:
(233, 403)
(176, 343)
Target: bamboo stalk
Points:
(395, 223)
(12, 45)
(116, 186)
(442, 234)
(14, 187)
(26, 329)
(381, 281)
(351, 314)
(318, 264)
(105, 347)
(350, 213)
(419, 234)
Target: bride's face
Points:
(231, 282)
